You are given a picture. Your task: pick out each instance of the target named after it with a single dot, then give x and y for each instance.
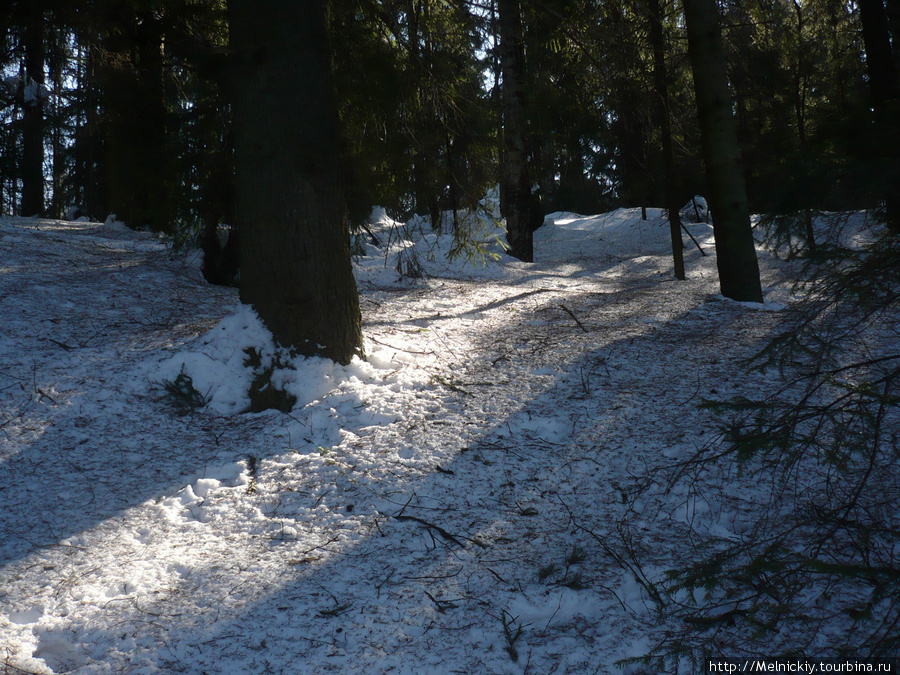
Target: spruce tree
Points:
(661, 85)
(516, 186)
(735, 249)
(295, 251)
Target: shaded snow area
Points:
(437, 508)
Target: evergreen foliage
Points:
(823, 452)
(182, 395)
(418, 88)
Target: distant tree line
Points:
(123, 106)
(139, 107)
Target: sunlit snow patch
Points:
(390, 251)
(223, 363)
(621, 233)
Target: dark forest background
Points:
(124, 107)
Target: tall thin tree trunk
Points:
(137, 148)
(155, 200)
(661, 83)
(10, 167)
(426, 134)
(295, 248)
(421, 187)
(90, 163)
(33, 118)
(735, 249)
(55, 68)
(452, 179)
(884, 84)
(883, 79)
(15, 165)
(517, 193)
(800, 116)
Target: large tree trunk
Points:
(883, 81)
(516, 183)
(139, 167)
(118, 91)
(156, 169)
(33, 118)
(295, 252)
(661, 84)
(735, 250)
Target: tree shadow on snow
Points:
(401, 543)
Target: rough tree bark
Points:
(426, 199)
(295, 251)
(800, 95)
(735, 250)
(517, 186)
(139, 170)
(33, 113)
(661, 84)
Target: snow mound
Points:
(620, 234)
(223, 363)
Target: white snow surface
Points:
(412, 512)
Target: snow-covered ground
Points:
(438, 508)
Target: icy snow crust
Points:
(403, 517)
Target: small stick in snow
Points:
(450, 385)
(399, 349)
(696, 243)
(369, 232)
(41, 392)
(697, 209)
(572, 314)
(442, 605)
(499, 578)
(431, 526)
(338, 609)
(61, 344)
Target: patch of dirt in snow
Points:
(444, 508)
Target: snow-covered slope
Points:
(437, 508)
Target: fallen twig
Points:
(696, 243)
(512, 631)
(369, 232)
(41, 392)
(431, 526)
(442, 605)
(61, 344)
(9, 668)
(399, 349)
(572, 314)
(450, 385)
